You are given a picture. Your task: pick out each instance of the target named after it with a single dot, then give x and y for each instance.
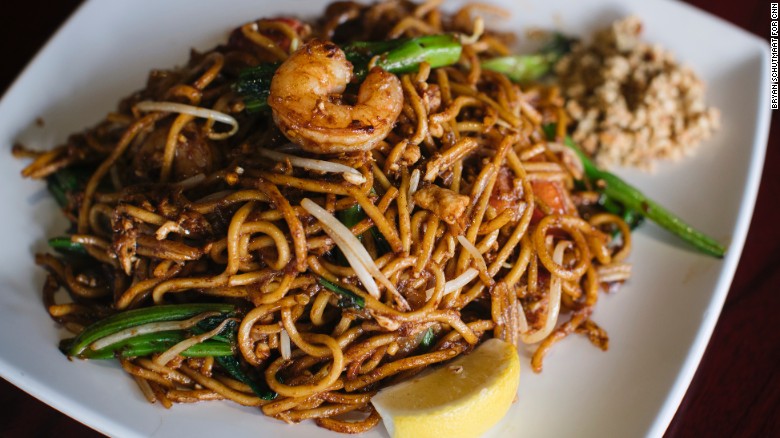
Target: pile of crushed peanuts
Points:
(631, 103)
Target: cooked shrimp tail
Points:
(307, 105)
(396, 56)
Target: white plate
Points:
(659, 323)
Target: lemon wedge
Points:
(464, 398)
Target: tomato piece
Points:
(507, 192)
(553, 195)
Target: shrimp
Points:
(307, 106)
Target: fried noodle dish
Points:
(300, 216)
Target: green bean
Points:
(633, 200)
(405, 55)
(632, 218)
(531, 67)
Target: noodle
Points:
(461, 221)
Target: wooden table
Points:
(736, 390)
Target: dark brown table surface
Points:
(736, 390)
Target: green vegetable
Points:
(382, 245)
(617, 190)
(64, 245)
(351, 216)
(228, 333)
(146, 344)
(527, 68)
(630, 217)
(404, 55)
(133, 318)
(57, 192)
(233, 367)
(427, 339)
(396, 56)
(255, 85)
(67, 180)
(221, 346)
(347, 298)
